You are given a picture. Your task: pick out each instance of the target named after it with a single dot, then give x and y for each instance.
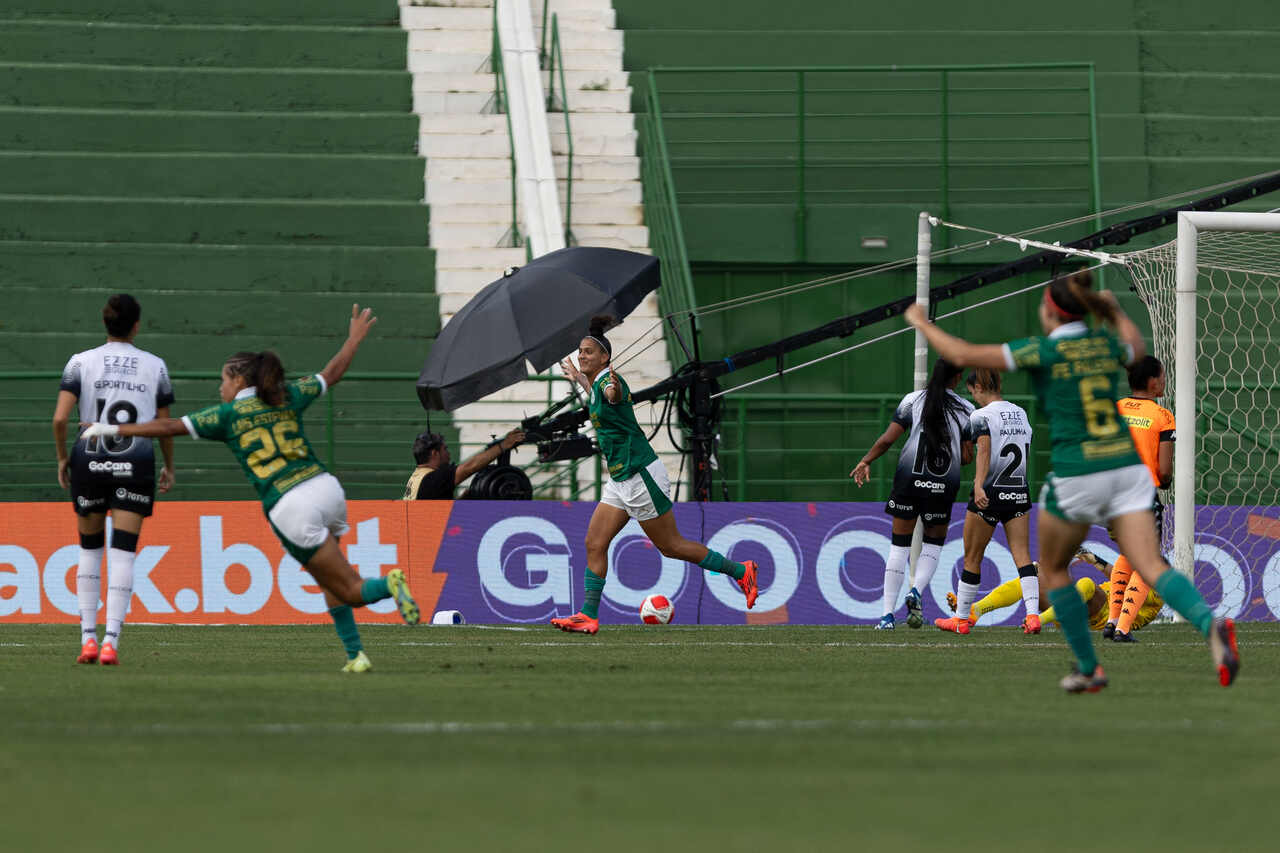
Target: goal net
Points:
(1213, 295)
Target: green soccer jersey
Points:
(1075, 372)
(622, 442)
(267, 441)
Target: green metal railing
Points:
(555, 60)
(666, 232)
(363, 431)
(499, 104)
(791, 446)
(880, 134)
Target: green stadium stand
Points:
(247, 169)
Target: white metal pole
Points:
(1184, 404)
(924, 248)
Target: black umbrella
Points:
(538, 312)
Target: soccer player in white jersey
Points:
(936, 421)
(114, 383)
(1001, 495)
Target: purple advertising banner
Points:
(820, 563)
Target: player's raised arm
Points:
(361, 323)
(958, 351)
(158, 428)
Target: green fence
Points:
(666, 232)
(801, 447)
(813, 143)
(363, 430)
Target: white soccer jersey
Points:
(1010, 433)
(118, 383)
(912, 465)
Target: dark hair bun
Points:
(601, 323)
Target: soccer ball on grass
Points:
(656, 610)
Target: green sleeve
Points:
(303, 392)
(1027, 353)
(211, 423)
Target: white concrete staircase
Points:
(468, 177)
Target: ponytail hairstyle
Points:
(986, 378)
(261, 370)
(1072, 297)
(599, 324)
(940, 406)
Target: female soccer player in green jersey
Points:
(260, 420)
(637, 488)
(1097, 477)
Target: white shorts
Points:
(306, 515)
(644, 495)
(1097, 498)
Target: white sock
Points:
(88, 590)
(926, 565)
(119, 591)
(895, 573)
(1030, 592)
(966, 595)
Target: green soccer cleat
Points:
(399, 588)
(359, 663)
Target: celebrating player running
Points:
(1097, 476)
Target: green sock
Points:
(1073, 619)
(374, 589)
(344, 620)
(717, 562)
(594, 585)
(1181, 594)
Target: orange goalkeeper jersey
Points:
(1149, 424)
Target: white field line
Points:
(632, 727)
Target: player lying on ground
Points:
(115, 383)
(936, 422)
(1095, 597)
(260, 421)
(637, 488)
(1002, 433)
(1097, 476)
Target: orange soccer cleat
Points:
(748, 583)
(578, 623)
(108, 656)
(88, 652)
(955, 624)
(1226, 654)
(1031, 624)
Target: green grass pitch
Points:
(714, 739)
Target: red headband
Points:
(1056, 308)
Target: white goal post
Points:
(1186, 350)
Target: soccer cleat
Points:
(915, 610)
(748, 583)
(1226, 655)
(1109, 631)
(1084, 555)
(399, 588)
(88, 652)
(108, 656)
(1122, 637)
(359, 663)
(954, 624)
(1031, 623)
(578, 623)
(1078, 682)
(886, 623)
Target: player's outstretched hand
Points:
(861, 473)
(916, 316)
(99, 430)
(361, 323)
(570, 369)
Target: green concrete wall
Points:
(247, 169)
